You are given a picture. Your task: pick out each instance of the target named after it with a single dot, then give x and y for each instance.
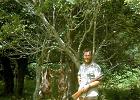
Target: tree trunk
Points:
(21, 69)
(38, 77)
(73, 82)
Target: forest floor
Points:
(29, 87)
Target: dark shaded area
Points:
(13, 69)
(11, 6)
(8, 75)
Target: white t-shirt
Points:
(86, 74)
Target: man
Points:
(87, 72)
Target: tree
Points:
(106, 26)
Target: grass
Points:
(29, 87)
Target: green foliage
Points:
(19, 28)
(135, 5)
(31, 73)
(122, 84)
(124, 79)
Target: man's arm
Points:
(76, 95)
(79, 79)
(92, 84)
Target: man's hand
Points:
(86, 88)
(80, 91)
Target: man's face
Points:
(87, 57)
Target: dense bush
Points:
(31, 72)
(122, 85)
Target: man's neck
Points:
(88, 63)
